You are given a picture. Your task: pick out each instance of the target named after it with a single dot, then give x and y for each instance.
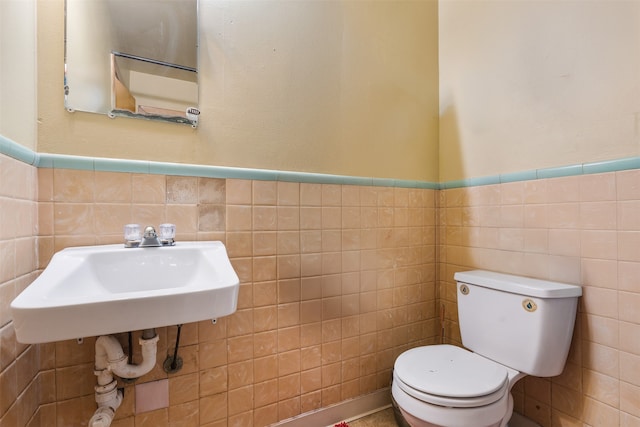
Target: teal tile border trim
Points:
(56, 161)
(17, 151)
(63, 161)
(556, 172)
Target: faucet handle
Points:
(167, 234)
(131, 235)
(167, 231)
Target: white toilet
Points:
(514, 326)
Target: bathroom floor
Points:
(382, 418)
(385, 418)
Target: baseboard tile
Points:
(344, 411)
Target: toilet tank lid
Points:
(518, 284)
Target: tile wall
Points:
(20, 381)
(336, 281)
(583, 229)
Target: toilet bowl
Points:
(511, 327)
(452, 387)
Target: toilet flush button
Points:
(529, 305)
(464, 289)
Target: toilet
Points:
(510, 326)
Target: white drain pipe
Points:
(110, 360)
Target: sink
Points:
(100, 290)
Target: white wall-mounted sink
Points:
(100, 290)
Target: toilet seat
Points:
(450, 376)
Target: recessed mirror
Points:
(132, 58)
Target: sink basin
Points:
(99, 290)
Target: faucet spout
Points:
(150, 238)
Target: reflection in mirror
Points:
(134, 58)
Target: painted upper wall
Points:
(528, 84)
(18, 71)
(336, 87)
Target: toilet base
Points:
(397, 414)
(404, 419)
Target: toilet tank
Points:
(520, 322)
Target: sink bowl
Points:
(100, 290)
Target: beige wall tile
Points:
(368, 196)
(240, 348)
(600, 330)
(265, 318)
(630, 368)
(75, 411)
(628, 185)
(111, 218)
(148, 214)
(331, 195)
(74, 219)
(266, 415)
(512, 216)
(210, 218)
(629, 398)
(265, 218)
(628, 244)
(265, 192)
(45, 185)
(600, 273)
(563, 215)
(629, 276)
(288, 408)
(185, 415)
(238, 192)
(238, 218)
(263, 342)
(602, 388)
(630, 337)
(212, 191)
(239, 244)
(113, 187)
(561, 190)
(241, 374)
(599, 414)
(629, 215)
(288, 218)
(536, 216)
(148, 189)
(599, 244)
(288, 387)
(598, 216)
(628, 307)
(182, 190)
(310, 194)
(598, 187)
(288, 193)
(73, 186)
(184, 388)
(240, 323)
(627, 420)
(571, 238)
(535, 191)
(264, 269)
(213, 408)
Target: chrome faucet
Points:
(150, 238)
